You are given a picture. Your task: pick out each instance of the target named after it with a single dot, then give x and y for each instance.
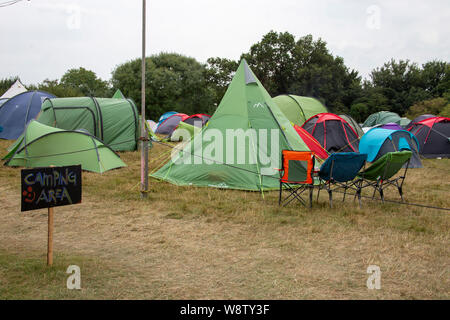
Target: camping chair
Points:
(379, 174)
(296, 176)
(339, 172)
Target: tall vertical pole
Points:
(144, 135)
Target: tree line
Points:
(284, 64)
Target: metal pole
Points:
(144, 135)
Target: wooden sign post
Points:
(50, 187)
(50, 237)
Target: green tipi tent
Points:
(241, 145)
(113, 121)
(42, 146)
(298, 109)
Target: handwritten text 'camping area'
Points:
(50, 187)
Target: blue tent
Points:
(378, 141)
(18, 111)
(164, 117)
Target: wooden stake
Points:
(50, 237)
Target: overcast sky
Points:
(42, 39)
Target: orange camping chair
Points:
(296, 176)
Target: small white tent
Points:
(14, 90)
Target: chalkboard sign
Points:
(50, 187)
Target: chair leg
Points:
(345, 192)
(400, 190)
(359, 198)
(330, 196)
(374, 191)
(279, 200)
(311, 189)
(382, 194)
(318, 193)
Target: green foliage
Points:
(219, 73)
(372, 101)
(173, 82)
(58, 89)
(401, 86)
(86, 82)
(437, 106)
(304, 67)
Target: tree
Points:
(436, 106)
(436, 77)
(85, 82)
(304, 67)
(219, 73)
(404, 84)
(56, 88)
(373, 100)
(273, 61)
(173, 82)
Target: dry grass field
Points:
(202, 243)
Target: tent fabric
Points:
(152, 124)
(404, 122)
(164, 116)
(418, 119)
(298, 109)
(18, 111)
(381, 117)
(391, 126)
(433, 135)
(184, 131)
(2, 101)
(198, 120)
(169, 125)
(379, 141)
(333, 133)
(352, 122)
(342, 167)
(14, 90)
(118, 95)
(43, 146)
(312, 143)
(113, 121)
(214, 158)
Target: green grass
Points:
(26, 276)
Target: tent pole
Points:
(144, 136)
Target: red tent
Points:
(332, 132)
(434, 137)
(196, 118)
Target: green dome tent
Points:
(384, 117)
(298, 109)
(113, 121)
(42, 146)
(215, 158)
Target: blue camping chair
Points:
(339, 172)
